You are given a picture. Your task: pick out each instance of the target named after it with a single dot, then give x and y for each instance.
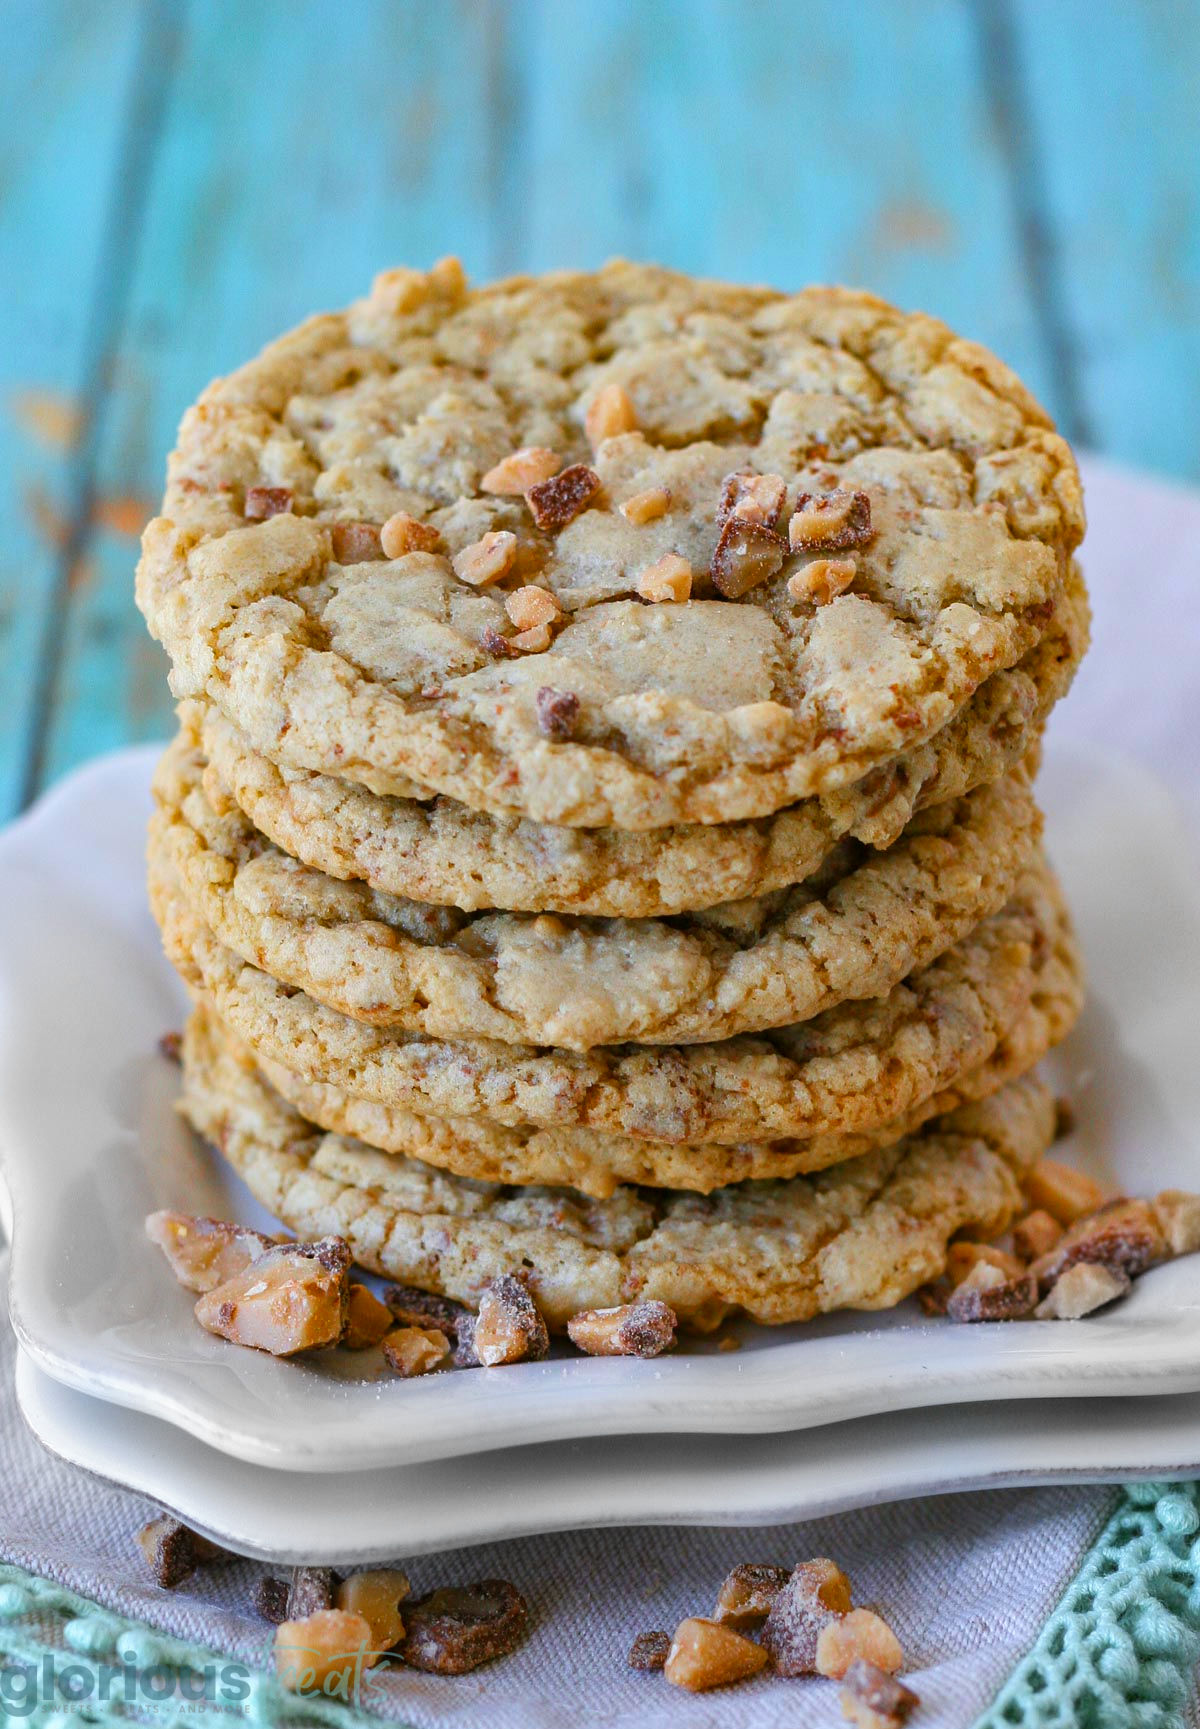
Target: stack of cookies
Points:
(600, 840)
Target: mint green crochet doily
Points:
(1119, 1651)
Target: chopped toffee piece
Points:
(748, 1594)
(292, 1298)
(557, 712)
(554, 503)
(454, 1630)
(415, 1350)
(704, 1654)
(203, 1253)
(649, 1650)
(509, 1328)
(631, 1330)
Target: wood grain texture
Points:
(162, 216)
(65, 75)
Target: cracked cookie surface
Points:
(863, 1235)
(265, 577)
(439, 851)
(854, 1067)
(852, 931)
(954, 1072)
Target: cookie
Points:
(597, 1163)
(533, 655)
(853, 931)
(857, 1066)
(861, 1236)
(440, 851)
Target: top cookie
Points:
(349, 542)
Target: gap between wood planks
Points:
(160, 51)
(159, 40)
(1002, 77)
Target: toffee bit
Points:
(355, 542)
(554, 503)
(557, 712)
(833, 521)
(746, 555)
(413, 1351)
(498, 646)
(609, 414)
(454, 1630)
(310, 1589)
(170, 1046)
(748, 1594)
(402, 534)
(264, 501)
(649, 1650)
(704, 1654)
(269, 1600)
(756, 498)
(520, 470)
(631, 1330)
(508, 1328)
(817, 1592)
(988, 1294)
(875, 1700)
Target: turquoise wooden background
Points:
(180, 179)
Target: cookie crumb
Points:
(170, 1045)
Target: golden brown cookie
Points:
(862, 1235)
(868, 515)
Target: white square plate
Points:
(90, 1144)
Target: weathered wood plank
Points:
(64, 84)
(777, 144)
(294, 163)
(1114, 103)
